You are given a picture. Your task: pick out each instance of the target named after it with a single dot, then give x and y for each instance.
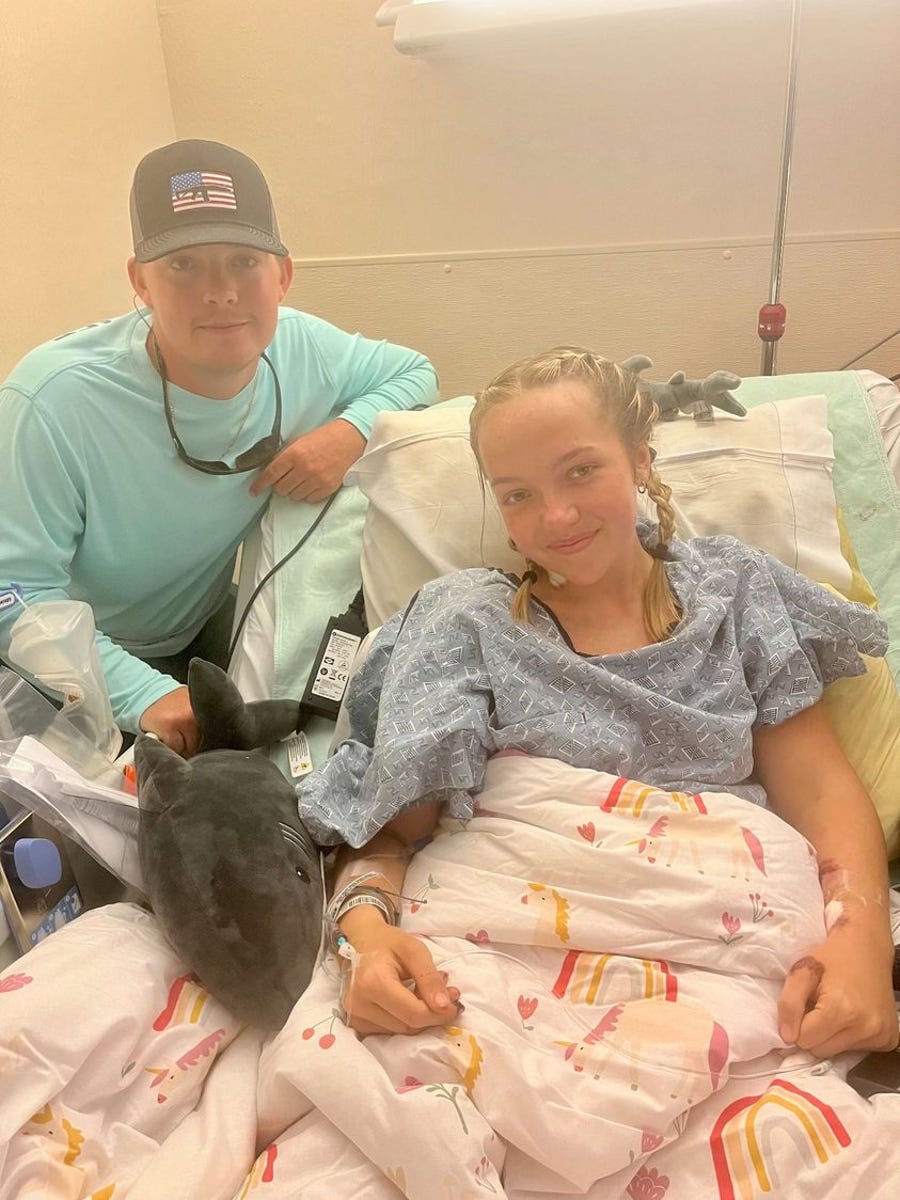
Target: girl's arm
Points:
(839, 995)
(375, 996)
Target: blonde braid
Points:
(661, 607)
(661, 495)
(521, 605)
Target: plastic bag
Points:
(53, 640)
(25, 712)
(102, 821)
(48, 767)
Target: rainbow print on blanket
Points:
(630, 795)
(620, 950)
(751, 1140)
(598, 979)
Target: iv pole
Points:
(773, 315)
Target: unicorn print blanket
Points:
(619, 951)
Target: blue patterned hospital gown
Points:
(455, 679)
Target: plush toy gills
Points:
(230, 870)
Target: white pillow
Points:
(427, 513)
(765, 478)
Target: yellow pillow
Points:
(865, 714)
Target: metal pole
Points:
(771, 324)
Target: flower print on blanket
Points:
(598, 1014)
(103, 1055)
(644, 993)
(647, 1184)
(15, 982)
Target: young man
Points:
(138, 452)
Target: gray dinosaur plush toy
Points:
(230, 871)
(695, 396)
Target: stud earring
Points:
(642, 488)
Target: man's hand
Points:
(172, 719)
(313, 465)
(839, 996)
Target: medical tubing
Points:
(268, 575)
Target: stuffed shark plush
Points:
(230, 871)
(695, 396)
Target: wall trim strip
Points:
(450, 256)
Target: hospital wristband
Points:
(354, 894)
(367, 898)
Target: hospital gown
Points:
(453, 680)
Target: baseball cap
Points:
(194, 192)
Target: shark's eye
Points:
(299, 848)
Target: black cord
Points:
(869, 350)
(268, 575)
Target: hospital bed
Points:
(811, 476)
(127, 1079)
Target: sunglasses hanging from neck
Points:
(259, 454)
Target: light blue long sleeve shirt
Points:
(96, 506)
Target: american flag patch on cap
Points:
(202, 189)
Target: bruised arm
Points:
(839, 995)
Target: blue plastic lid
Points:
(38, 863)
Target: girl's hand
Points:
(839, 996)
(374, 993)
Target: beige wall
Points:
(658, 126)
(688, 308)
(618, 188)
(83, 93)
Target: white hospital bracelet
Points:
(335, 936)
(366, 898)
(347, 890)
(354, 893)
